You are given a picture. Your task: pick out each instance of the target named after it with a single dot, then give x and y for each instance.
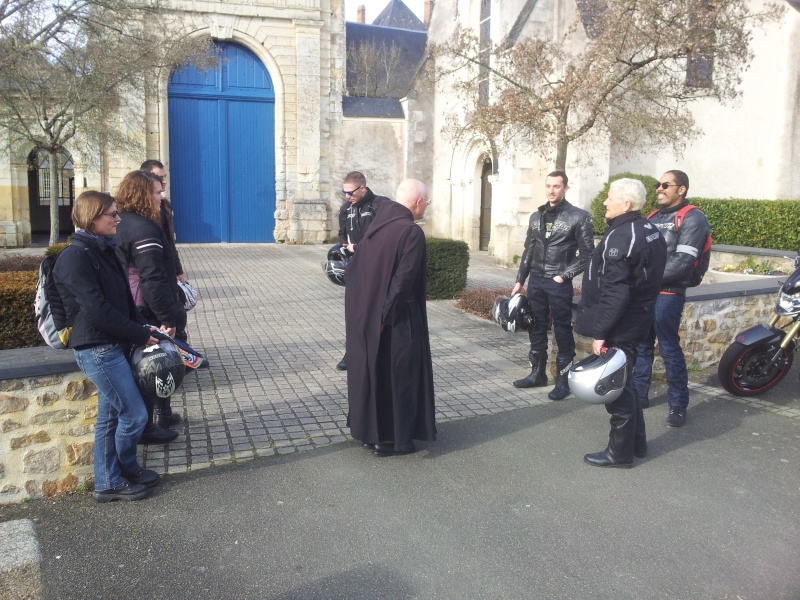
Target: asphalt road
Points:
(499, 506)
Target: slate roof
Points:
(412, 51)
(385, 108)
(397, 14)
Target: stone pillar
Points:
(307, 214)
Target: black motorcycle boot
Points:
(623, 434)
(561, 390)
(162, 414)
(538, 376)
(640, 435)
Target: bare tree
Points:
(66, 69)
(627, 71)
(372, 69)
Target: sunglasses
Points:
(350, 193)
(664, 185)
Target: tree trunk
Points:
(561, 154)
(54, 185)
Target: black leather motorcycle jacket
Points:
(354, 219)
(683, 246)
(554, 253)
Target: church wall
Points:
(376, 147)
(749, 149)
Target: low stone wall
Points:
(46, 426)
(713, 315)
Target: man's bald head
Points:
(413, 194)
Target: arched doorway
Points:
(39, 186)
(486, 205)
(222, 150)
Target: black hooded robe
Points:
(389, 373)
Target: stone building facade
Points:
(300, 44)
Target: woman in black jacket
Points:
(97, 299)
(146, 255)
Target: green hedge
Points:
(447, 268)
(771, 224)
(757, 223)
(17, 325)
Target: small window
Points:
(40, 161)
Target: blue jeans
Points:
(669, 309)
(121, 414)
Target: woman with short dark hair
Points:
(106, 325)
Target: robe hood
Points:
(389, 213)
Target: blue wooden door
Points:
(222, 150)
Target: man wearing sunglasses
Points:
(355, 215)
(684, 246)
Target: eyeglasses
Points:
(351, 192)
(664, 185)
(113, 214)
(427, 200)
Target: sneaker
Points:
(676, 417)
(126, 491)
(145, 477)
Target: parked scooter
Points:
(761, 356)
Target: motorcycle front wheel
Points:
(746, 370)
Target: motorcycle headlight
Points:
(788, 304)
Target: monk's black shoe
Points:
(383, 450)
(342, 364)
(605, 459)
(367, 445)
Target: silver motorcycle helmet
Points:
(599, 379)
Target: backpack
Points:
(701, 264)
(52, 321)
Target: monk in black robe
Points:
(389, 375)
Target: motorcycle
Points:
(761, 356)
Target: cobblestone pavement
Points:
(272, 327)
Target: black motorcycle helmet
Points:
(339, 252)
(334, 269)
(158, 370)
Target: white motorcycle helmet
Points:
(187, 294)
(512, 314)
(599, 379)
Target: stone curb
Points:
(20, 561)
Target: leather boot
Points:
(538, 376)
(623, 428)
(162, 414)
(640, 437)
(153, 434)
(561, 390)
